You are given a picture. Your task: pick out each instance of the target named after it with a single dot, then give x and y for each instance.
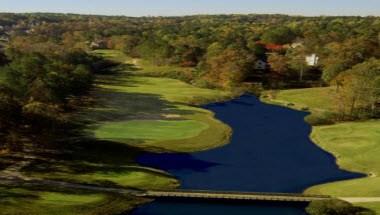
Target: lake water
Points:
(270, 151)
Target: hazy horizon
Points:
(195, 7)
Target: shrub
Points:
(321, 119)
(336, 207)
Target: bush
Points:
(336, 207)
(320, 119)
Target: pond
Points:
(270, 151)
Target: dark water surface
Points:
(270, 151)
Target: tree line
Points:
(193, 41)
(48, 60)
(37, 90)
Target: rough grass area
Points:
(357, 147)
(36, 202)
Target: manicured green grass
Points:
(151, 130)
(153, 105)
(357, 147)
(167, 89)
(315, 99)
(215, 135)
(318, 101)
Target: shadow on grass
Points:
(76, 151)
(88, 156)
(114, 105)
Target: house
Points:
(312, 60)
(261, 65)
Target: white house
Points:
(312, 60)
(260, 65)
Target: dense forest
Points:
(46, 58)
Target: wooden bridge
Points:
(232, 196)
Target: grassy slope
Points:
(316, 99)
(319, 101)
(356, 145)
(148, 113)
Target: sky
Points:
(189, 7)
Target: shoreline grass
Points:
(318, 101)
(356, 146)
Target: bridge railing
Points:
(242, 193)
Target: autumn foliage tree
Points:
(343, 55)
(226, 68)
(358, 90)
(36, 89)
(278, 63)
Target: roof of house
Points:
(271, 46)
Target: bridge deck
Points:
(239, 196)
